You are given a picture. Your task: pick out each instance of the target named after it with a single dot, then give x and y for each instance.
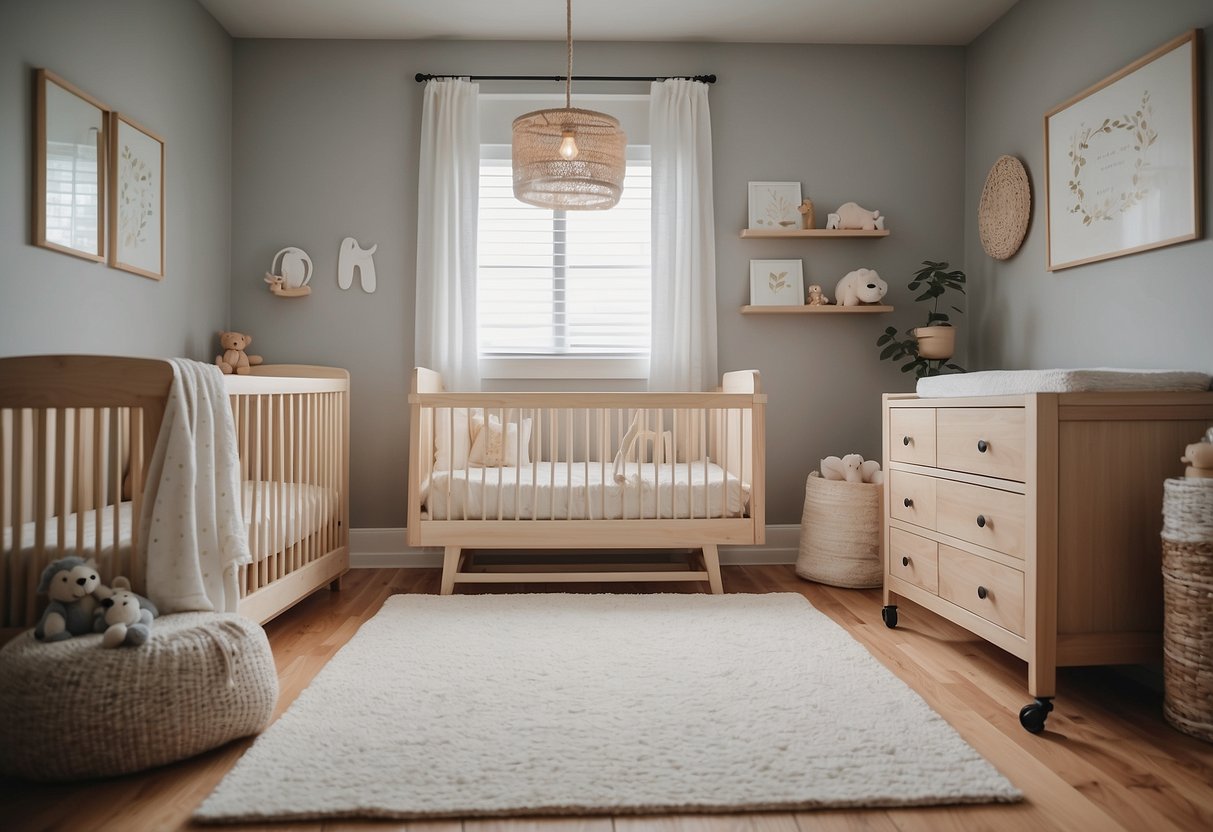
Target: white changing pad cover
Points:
(1094, 380)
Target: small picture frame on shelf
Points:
(775, 206)
(776, 283)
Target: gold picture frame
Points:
(71, 131)
(136, 198)
(1122, 160)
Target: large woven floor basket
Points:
(840, 533)
(1187, 572)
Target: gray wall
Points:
(325, 144)
(168, 65)
(1143, 310)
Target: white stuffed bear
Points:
(860, 286)
(850, 215)
(851, 468)
(124, 617)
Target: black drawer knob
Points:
(907, 502)
(981, 521)
(982, 592)
(905, 561)
(905, 440)
(982, 446)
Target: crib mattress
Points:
(286, 512)
(1098, 380)
(581, 492)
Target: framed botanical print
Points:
(136, 198)
(1122, 160)
(776, 283)
(774, 206)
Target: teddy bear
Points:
(860, 286)
(73, 586)
(851, 468)
(234, 358)
(850, 215)
(124, 617)
(1199, 457)
(816, 298)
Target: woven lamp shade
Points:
(590, 181)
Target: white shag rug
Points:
(476, 705)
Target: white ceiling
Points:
(934, 22)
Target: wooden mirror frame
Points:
(42, 77)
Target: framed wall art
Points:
(136, 199)
(774, 206)
(70, 129)
(1121, 160)
(776, 283)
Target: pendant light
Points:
(568, 159)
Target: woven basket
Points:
(840, 533)
(73, 709)
(1187, 573)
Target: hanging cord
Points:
(568, 80)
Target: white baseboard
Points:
(387, 549)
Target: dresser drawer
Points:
(914, 559)
(985, 516)
(912, 498)
(985, 588)
(912, 435)
(982, 440)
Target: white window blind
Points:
(563, 283)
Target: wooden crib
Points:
(77, 433)
(563, 471)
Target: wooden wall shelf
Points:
(815, 310)
(754, 233)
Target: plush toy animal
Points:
(850, 215)
(1199, 456)
(806, 211)
(860, 286)
(72, 585)
(234, 358)
(851, 468)
(816, 298)
(124, 617)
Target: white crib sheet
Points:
(285, 526)
(575, 493)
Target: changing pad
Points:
(1097, 380)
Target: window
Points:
(557, 286)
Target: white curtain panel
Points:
(448, 183)
(683, 353)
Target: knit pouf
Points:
(840, 533)
(73, 709)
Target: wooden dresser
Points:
(1034, 520)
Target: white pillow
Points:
(448, 449)
(495, 448)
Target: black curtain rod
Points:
(707, 79)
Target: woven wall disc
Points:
(1006, 204)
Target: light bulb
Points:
(568, 145)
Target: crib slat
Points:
(136, 469)
(674, 467)
(116, 496)
(99, 416)
(40, 484)
(60, 481)
(78, 475)
(258, 496)
(17, 517)
(6, 580)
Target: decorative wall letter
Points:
(352, 257)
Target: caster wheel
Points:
(1032, 717)
(889, 616)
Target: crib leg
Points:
(335, 584)
(450, 564)
(711, 562)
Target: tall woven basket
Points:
(1187, 574)
(840, 533)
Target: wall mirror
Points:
(69, 168)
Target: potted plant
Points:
(929, 347)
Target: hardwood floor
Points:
(1107, 760)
